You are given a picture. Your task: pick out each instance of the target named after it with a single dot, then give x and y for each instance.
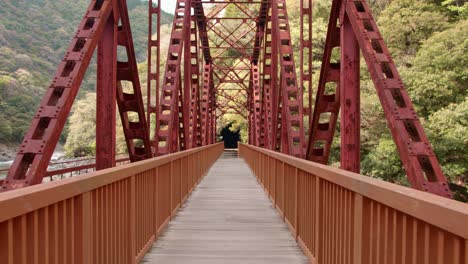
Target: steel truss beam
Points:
(193, 71)
(292, 130)
(267, 87)
(206, 105)
(129, 96)
(305, 47)
(167, 123)
(33, 157)
(327, 100)
(358, 29)
(154, 61)
(421, 164)
(256, 106)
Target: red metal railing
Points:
(109, 216)
(343, 217)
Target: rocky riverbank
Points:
(7, 152)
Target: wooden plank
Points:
(228, 219)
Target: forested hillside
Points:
(34, 35)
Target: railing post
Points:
(171, 189)
(283, 196)
(275, 162)
(132, 228)
(156, 213)
(357, 234)
(296, 202)
(317, 219)
(466, 250)
(85, 239)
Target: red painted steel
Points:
(129, 96)
(206, 105)
(106, 96)
(168, 119)
(262, 21)
(305, 47)
(256, 106)
(421, 164)
(181, 114)
(267, 87)
(327, 100)
(194, 73)
(42, 136)
(350, 151)
(154, 61)
(292, 135)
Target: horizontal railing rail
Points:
(108, 216)
(343, 217)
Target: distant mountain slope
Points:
(34, 35)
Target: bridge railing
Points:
(109, 216)
(343, 217)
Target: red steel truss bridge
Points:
(228, 57)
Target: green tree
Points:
(448, 130)
(384, 163)
(439, 75)
(406, 23)
(81, 139)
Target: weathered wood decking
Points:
(228, 219)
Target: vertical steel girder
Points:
(350, 156)
(205, 106)
(154, 60)
(33, 157)
(267, 109)
(169, 102)
(256, 110)
(257, 86)
(129, 96)
(260, 33)
(201, 20)
(106, 96)
(212, 112)
(194, 72)
(181, 116)
(292, 136)
(327, 101)
(185, 118)
(275, 88)
(305, 47)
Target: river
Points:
(4, 165)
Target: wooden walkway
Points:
(228, 219)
